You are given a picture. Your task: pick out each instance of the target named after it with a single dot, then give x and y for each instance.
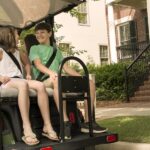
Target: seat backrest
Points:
(74, 84)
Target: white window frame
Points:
(84, 12)
(124, 24)
(101, 47)
(63, 52)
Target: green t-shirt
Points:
(44, 52)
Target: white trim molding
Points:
(123, 20)
(148, 12)
(112, 1)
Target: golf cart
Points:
(24, 15)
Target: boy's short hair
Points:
(43, 26)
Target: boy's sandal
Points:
(51, 135)
(26, 140)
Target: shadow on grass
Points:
(130, 129)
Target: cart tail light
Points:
(111, 138)
(46, 148)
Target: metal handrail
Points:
(137, 72)
(130, 51)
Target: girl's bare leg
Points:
(54, 84)
(23, 102)
(43, 103)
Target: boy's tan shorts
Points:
(48, 83)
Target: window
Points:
(82, 14)
(127, 33)
(65, 48)
(103, 54)
(128, 38)
(124, 34)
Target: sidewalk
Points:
(123, 109)
(123, 146)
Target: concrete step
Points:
(144, 87)
(147, 82)
(142, 93)
(140, 98)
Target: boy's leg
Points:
(92, 93)
(43, 104)
(85, 126)
(23, 102)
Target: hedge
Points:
(110, 81)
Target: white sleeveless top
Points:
(8, 67)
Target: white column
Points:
(112, 34)
(148, 12)
(109, 1)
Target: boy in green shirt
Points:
(39, 55)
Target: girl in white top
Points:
(11, 76)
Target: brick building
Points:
(128, 28)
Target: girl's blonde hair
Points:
(7, 39)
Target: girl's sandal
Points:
(51, 135)
(27, 138)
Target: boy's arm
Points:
(38, 64)
(70, 71)
(26, 62)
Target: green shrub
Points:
(109, 81)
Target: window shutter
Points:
(146, 28)
(133, 36)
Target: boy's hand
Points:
(53, 76)
(4, 79)
(28, 77)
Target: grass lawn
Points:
(131, 129)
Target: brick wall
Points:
(121, 11)
(139, 17)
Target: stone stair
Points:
(143, 93)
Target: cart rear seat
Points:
(11, 115)
(11, 94)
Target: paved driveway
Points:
(102, 113)
(123, 109)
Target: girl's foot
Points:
(30, 139)
(50, 134)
